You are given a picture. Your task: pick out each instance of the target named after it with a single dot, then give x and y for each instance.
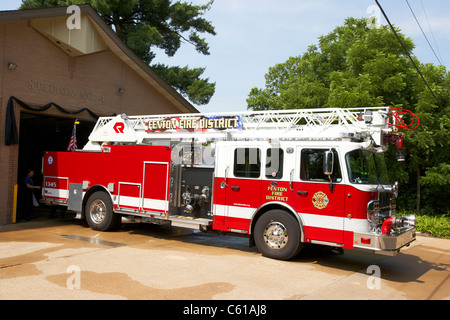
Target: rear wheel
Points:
(99, 212)
(277, 235)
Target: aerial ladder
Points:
(321, 124)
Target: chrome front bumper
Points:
(384, 244)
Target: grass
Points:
(436, 226)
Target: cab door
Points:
(237, 186)
(221, 174)
(243, 190)
(275, 186)
(319, 197)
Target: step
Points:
(190, 222)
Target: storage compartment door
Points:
(129, 196)
(55, 188)
(155, 187)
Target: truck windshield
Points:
(366, 167)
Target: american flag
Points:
(73, 139)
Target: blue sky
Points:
(254, 35)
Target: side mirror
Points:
(328, 160)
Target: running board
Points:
(176, 221)
(190, 222)
(326, 243)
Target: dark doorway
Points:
(40, 133)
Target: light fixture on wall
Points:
(121, 90)
(12, 66)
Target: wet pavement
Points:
(64, 259)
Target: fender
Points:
(91, 190)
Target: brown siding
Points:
(46, 74)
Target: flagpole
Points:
(75, 126)
(73, 139)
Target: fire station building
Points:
(52, 74)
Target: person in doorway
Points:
(29, 190)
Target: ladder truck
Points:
(282, 178)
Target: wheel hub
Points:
(275, 235)
(97, 211)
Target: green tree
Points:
(359, 66)
(146, 24)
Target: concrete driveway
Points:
(64, 259)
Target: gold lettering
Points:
(276, 198)
(221, 123)
(280, 189)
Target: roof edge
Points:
(31, 14)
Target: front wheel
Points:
(99, 212)
(277, 235)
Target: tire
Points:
(278, 235)
(100, 214)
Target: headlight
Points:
(373, 210)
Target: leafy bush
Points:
(437, 226)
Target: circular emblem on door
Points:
(320, 200)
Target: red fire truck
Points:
(283, 178)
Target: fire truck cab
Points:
(282, 178)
